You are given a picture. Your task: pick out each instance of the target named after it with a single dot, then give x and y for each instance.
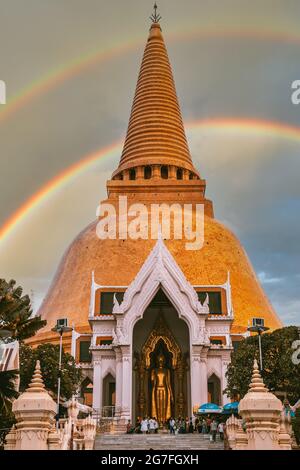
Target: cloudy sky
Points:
(70, 67)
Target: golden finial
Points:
(155, 17)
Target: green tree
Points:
(7, 420)
(7, 393)
(16, 318)
(48, 355)
(296, 426)
(279, 372)
(16, 313)
(7, 389)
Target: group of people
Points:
(204, 425)
(201, 425)
(144, 426)
(181, 425)
(212, 427)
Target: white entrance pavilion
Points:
(159, 309)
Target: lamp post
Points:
(258, 327)
(60, 328)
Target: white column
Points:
(127, 383)
(225, 364)
(75, 336)
(195, 376)
(119, 381)
(204, 388)
(97, 384)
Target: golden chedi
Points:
(155, 138)
(156, 167)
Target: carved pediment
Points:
(160, 271)
(160, 265)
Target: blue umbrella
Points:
(231, 407)
(292, 413)
(209, 408)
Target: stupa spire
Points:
(155, 132)
(37, 383)
(257, 383)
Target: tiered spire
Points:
(257, 383)
(37, 383)
(155, 133)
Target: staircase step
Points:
(156, 442)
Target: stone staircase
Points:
(162, 441)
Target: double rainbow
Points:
(54, 79)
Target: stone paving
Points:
(156, 442)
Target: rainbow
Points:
(56, 77)
(236, 125)
(248, 126)
(52, 186)
(75, 67)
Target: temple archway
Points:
(161, 337)
(214, 389)
(86, 391)
(109, 394)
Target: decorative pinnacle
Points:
(155, 17)
(257, 383)
(37, 383)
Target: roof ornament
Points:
(115, 302)
(155, 17)
(257, 383)
(37, 383)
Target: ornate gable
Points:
(160, 270)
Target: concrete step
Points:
(156, 442)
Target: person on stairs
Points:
(145, 425)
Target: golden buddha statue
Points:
(162, 395)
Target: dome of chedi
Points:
(155, 167)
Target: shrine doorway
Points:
(214, 389)
(161, 336)
(109, 395)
